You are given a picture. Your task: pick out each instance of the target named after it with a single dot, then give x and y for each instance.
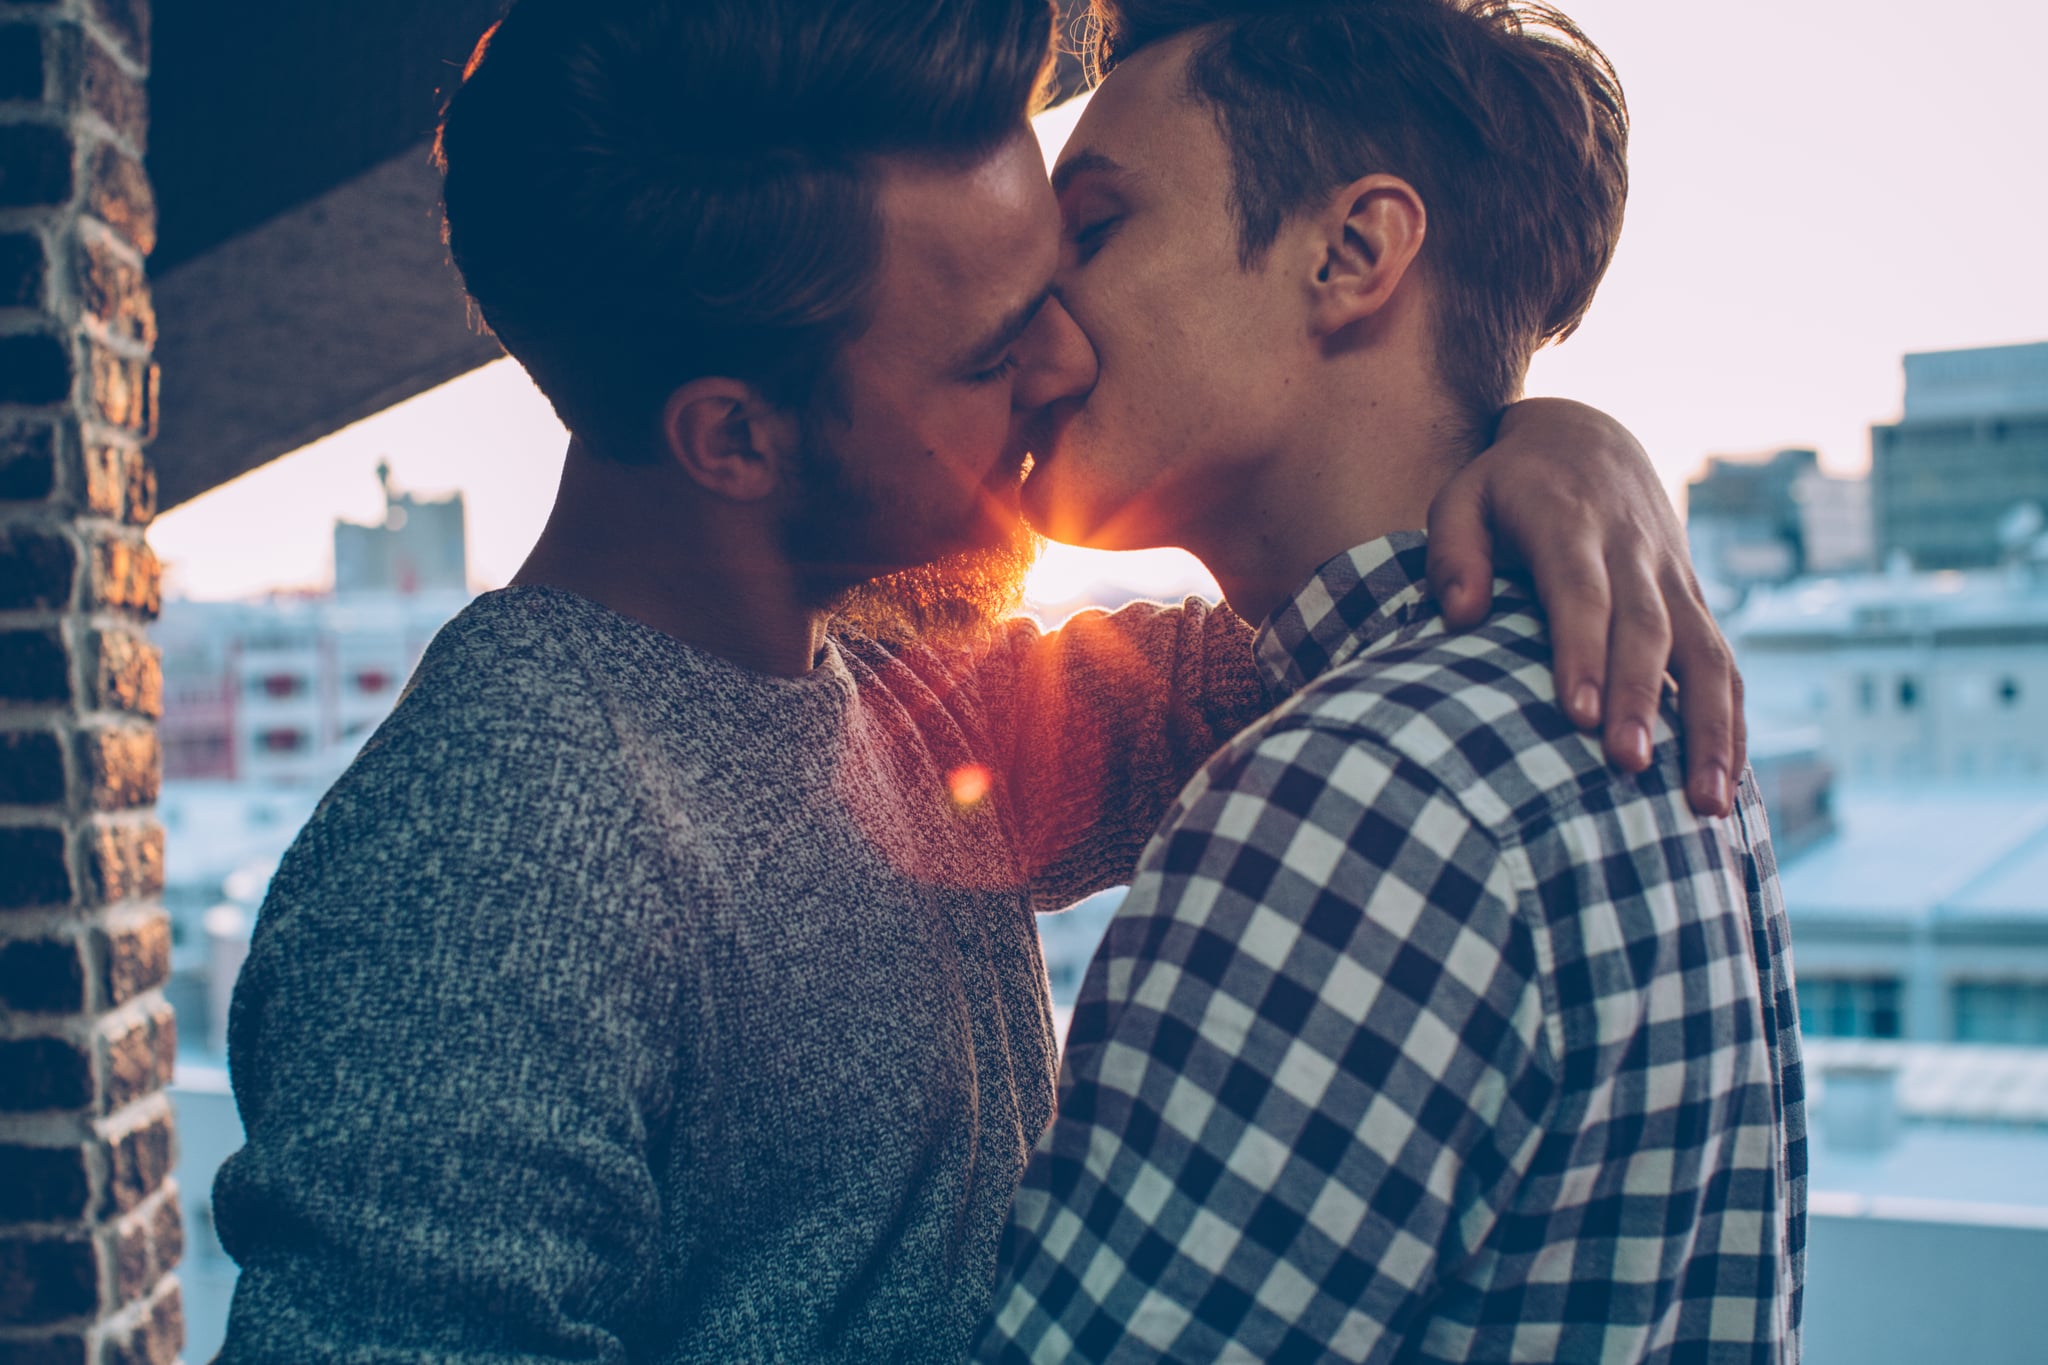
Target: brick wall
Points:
(89, 1229)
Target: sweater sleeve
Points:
(1099, 723)
(454, 1046)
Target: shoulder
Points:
(1477, 710)
(496, 778)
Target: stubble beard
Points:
(839, 533)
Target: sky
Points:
(1817, 188)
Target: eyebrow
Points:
(1006, 334)
(1083, 163)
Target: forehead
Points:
(1143, 117)
(962, 246)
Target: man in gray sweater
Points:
(661, 982)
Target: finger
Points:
(1461, 552)
(1638, 652)
(1710, 709)
(1578, 600)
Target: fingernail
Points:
(1586, 704)
(1714, 788)
(1635, 744)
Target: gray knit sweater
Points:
(620, 1004)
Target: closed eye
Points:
(995, 373)
(1088, 240)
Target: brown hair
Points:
(1505, 118)
(643, 192)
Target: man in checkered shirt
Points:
(1424, 1034)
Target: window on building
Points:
(373, 681)
(1850, 1006)
(2008, 691)
(282, 740)
(2001, 1012)
(1909, 693)
(281, 686)
(1866, 693)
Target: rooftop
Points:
(1981, 381)
(1893, 606)
(1971, 1144)
(1973, 850)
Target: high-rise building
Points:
(1971, 447)
(1766, 519)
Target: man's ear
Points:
(1372, 232)
(728, 438)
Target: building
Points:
(1971, 446)
(1905, 675)
(282, 690)
(1927, 1236)
(1924, 916)
(1766, 519)
(419, 546)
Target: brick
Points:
(133, 1259)
(44, 1184)
(138, 1164)
(33, 868)
(153, 1341)
(167, 1234)
(117, 193)
(113, 290)
(47, 1279)
(31, 768)
(24, 271)
(34, 667)
(119, 483)
(43, 1073)
(127, 22)
(127, 674)
(28, 461)
(36, 568)
(122, 389)
(35, 165)
(43, 974)
(109, 91)
(135, 959)
(122, 768)
(35, 367)
(68, 1348)
(141, 1057)
(125, 576)
(21, 62)
(122, 862)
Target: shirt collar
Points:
(1360, 596)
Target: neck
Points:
(629, 538)
(1367, 469)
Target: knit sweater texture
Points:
(620, 1004)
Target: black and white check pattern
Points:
(1424, 1035)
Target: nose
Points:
(1055, 359)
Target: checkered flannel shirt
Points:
(1424, 1035)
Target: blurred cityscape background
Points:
(1885, 587)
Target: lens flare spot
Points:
(969, 784)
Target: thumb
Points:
(1461, 551)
